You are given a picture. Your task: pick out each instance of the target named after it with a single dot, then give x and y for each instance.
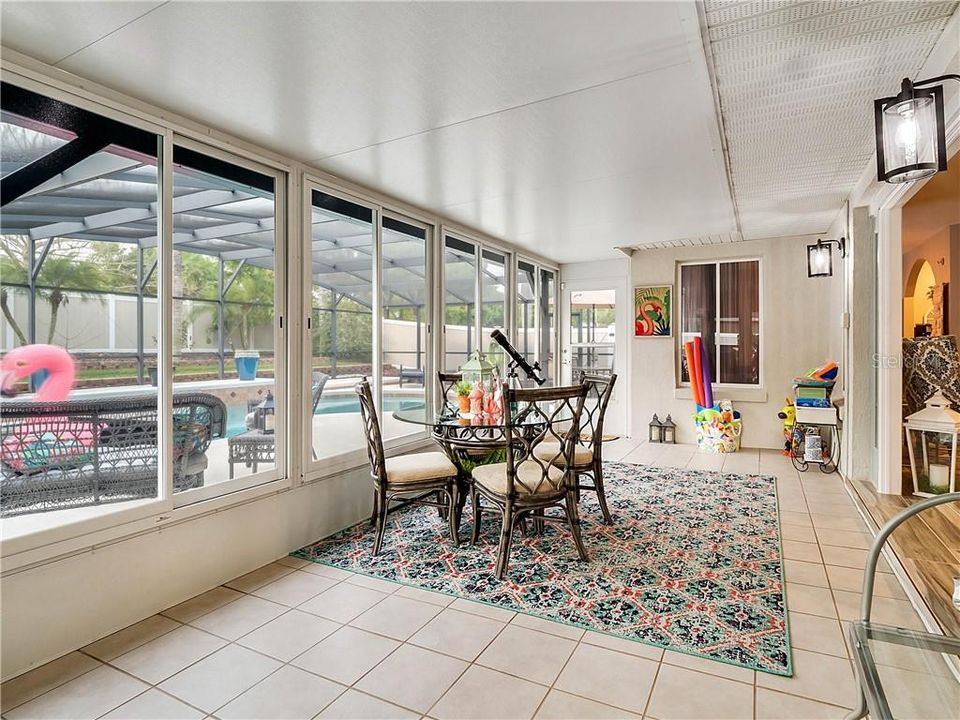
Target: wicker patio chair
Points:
(588, 452)
(448, 381)
(419, 478)
(527, 484)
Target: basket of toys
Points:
(718, 426)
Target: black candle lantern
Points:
(656, 429)
(265, 415)
(668, 430)
(820, 257)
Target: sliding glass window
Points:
(342, 299)
(493, 299)
(525, 315)
(547, 321)
(460, 292)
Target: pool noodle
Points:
(705, 376)
(698, 370)
(694, 387)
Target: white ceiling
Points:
(568, 128)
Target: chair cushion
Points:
(419, 467)
(530, 478)
(550, 450)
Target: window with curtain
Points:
(720, 303)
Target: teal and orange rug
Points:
(691, 563)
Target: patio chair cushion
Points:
(550, 450)
(530, 480)
(419, 467)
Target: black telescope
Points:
(517, 360)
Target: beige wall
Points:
(801, 327)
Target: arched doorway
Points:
(918, 297)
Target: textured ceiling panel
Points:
(797, 83)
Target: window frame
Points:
(538, 268)
(678, 361)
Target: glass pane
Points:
(459, 313)
(405, 316)
(493, 298)
(698, 311)
(224, 295)
(739, 338)
(593, 324)
(83, 333)
(525, 320)
(548, 325)
(342, 240)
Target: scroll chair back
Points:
(371, 431)
(448, 381)
(599, 390)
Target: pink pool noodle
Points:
(705, 377)
(698, 369)
(691, 370)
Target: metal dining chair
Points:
(418, 478)
(448, 381)
(526, 483)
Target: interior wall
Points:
(116, 585)
(801, 327)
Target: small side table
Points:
(251, 448)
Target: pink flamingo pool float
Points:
(42, 442)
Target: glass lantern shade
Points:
(819, 260)
(478, 371)
(911, 141)
(931, 435)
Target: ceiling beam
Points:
(34, 174)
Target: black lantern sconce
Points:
(669, 431)
(911, 135)
(820, 257)
(656, 429)
(265, 415)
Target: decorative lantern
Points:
(478, 371)
(669, 430)
(932, 432)
(911, 135)
(265, 420)
(820, 257)
(656, 429)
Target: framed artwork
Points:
(652, 311)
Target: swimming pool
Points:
(236, 414)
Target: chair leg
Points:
(376, 505)
(571, 506)
(601, 495)
(381, 522)
(477, 516)
(506, 536)
(452, 517)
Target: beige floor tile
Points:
(884, 610)
(168, 654)
(295, 588)
(533, 622)
(528, 654)
(793, 504)
(811, 600)
(347, 655)
(154, 705)
(919, 695)
(479, 608)
(374, 583)
(131, 637)
(236, 619)
(90, 695)
(457, 633)
(343, 602)
(805, 573)
(844, 538)
(354, 705)
(220, 677)
(849, 557)
(608, 677)
(817, 634)
(851, 580)
(412, 677)
(559, 705)
(807, 552)
(290, 694)
(428, 596)
(294, 562)
(34, 683)
(624, 645)
(833, 522)
(396, 617)
(798, 533)
(202, 604)
(819, 677)
(832, 506)
(259, 577)
(289, 635)
(773, 705)
(684, 694)
(327, 571)
(472, 696)
(711, 667)
(790, 517)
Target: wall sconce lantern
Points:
(656, 429)
(911, 136)
(669, 431)
(820, 257)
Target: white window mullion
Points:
(165, 339)
(716, 326)
(376, 301)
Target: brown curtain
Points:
(740, 322)
(698, 305)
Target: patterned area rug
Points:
(691, 563)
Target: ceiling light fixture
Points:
(911, 136)
(820, 257)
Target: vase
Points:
(464, 402)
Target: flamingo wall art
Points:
(652, 307)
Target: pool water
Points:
(236, 414)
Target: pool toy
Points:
(788, 413)
(691, 371)
(705, 380)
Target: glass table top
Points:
(432, 417)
